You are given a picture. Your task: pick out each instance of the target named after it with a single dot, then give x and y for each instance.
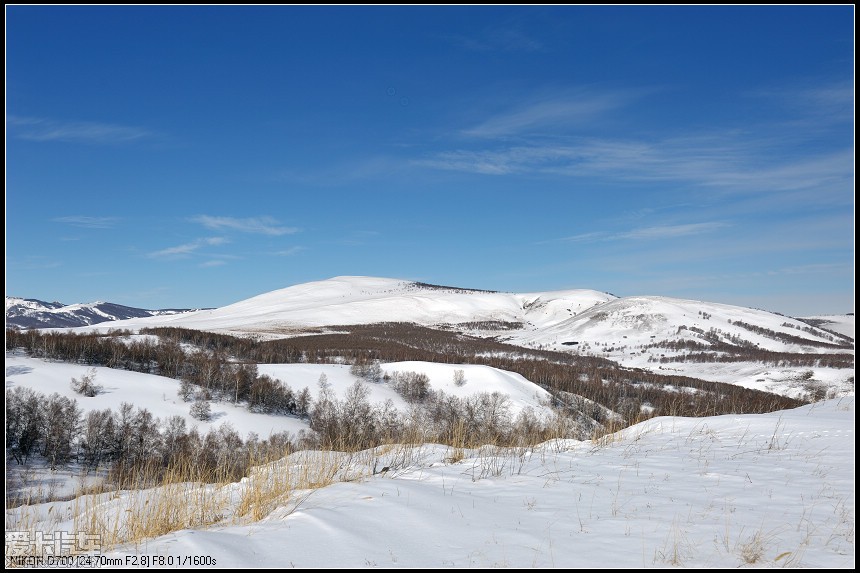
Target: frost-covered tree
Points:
(86, 384)
(200, 409)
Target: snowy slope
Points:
(771, 490)
(632, 331)
(841, 323)
(155, 393)
(639, 320)
(158, 394)
(478, 379)
(368, 300)
(548, 319)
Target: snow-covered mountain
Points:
(732, 344)
(368, 300)
(770, 489)
(559, 320)
(33, 313)
(556, 319)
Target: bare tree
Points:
(200, 409)
(86, 385)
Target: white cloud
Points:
(549, 114)
(730, 164)
(508, 38)
(672, 231)
(289, 252)
(214, 263)
(88, 222)
(645, 233)
(43, 129)
(259, 225)
(187, 248)
(815, 103)
(520, 159)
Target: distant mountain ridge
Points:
(28, 313)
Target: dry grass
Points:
(291, 478)
(458, 443)
(177, 502)
(752, 550)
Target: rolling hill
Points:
(711, 341)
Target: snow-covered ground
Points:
(841, 323)
(548, 318)
(158, 394)
(581, 321)
(764, 490)
(792, 382)
(478, 379)
(753, 490)
(368, 300)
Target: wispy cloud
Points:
(580, 238)
(289, 252)
(359, 238)
(213, 263)
(558, 112)
(672, 231)
(645, 233)
(44, 129)
(520, 159)
(258, 225)
(822, 103)
(816, 269)
(88, 222)
(187, 248)
(779, 150)
(732, 165)
(506, 38)
(32, 263)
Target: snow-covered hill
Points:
(649, 332)
(768, 490)
(33, 313)
(561, 320)
(636, 321)
(158, 394)
(841, 323)
(368, 300)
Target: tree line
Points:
(224, 366)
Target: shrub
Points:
(87, 386)
(200, 409)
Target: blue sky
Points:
(186, 157)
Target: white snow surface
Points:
(480, 379)
(368, 300)
(841, 323)
(579, 321)
(765, 490)
(158, 394)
